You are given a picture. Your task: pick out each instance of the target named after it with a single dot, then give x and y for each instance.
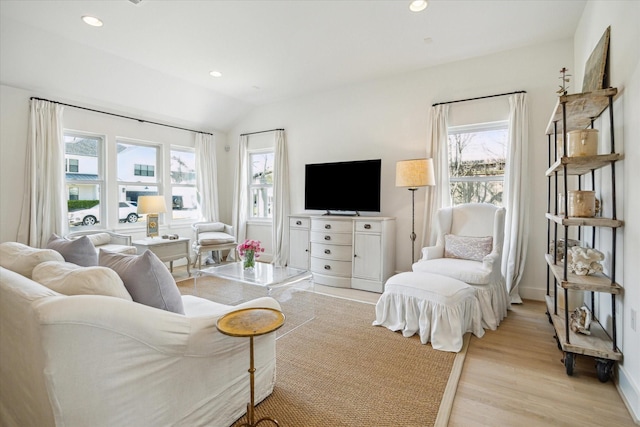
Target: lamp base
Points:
(152, 225)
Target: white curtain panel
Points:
(516, 190)
(240, 194)
(43, 204)
(206, 176)
(280, 201)
(438, 196)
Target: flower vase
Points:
(249, 261)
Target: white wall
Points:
(388, 119)
(624, 69)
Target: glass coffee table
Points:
(292, 287)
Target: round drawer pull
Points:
(327, 226)
(327, 251)
(367, 226)
(298, 222)
(327, 237)
(327, 267)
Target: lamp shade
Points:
(415, 173)
(151, 205)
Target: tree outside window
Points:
(261, 184)
(477, 161)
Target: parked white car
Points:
(127, 213)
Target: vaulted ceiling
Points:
(154, 57)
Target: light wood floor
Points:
(514, 377)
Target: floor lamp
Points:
(152, 206)
(413, 174)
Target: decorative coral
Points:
(584, 261)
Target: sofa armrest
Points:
(120, 239)
(128, 360)
(489, 260)
(432, 252)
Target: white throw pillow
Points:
(71, 279)
(79, 251)
(146, 278)
(21, 258)
(467, 247)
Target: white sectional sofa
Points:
(94, 360)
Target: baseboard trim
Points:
(629, 392)
(535, 294)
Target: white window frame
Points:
(101, 182)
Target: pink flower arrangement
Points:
(250, 245)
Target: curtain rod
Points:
(479, 97)
(262, 131)
(121, 116)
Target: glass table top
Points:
(262, 275)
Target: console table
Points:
(167, 250)
(349, 252)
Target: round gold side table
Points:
(251, 322)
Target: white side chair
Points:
(212, 236)
(469, 249)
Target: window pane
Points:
(183, 167)
(184, 204)
(137, 163)
(261, 202)
(261, 168)
(129, 201)
(83, 205)
(477, 160)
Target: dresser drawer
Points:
(299, 222)
(334, 226)
(368, 226)
(331, 267)
(331, 238)
(335, 252)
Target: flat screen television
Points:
(343, 186)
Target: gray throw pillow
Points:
(146, 278)
(78, 251)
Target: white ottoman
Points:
(439, 308)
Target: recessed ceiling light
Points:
(92, 20)
(418, 5)
(215, 73)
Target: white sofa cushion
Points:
(99, 239)
(21, 258)
(471, 272)
(78, 251)
(71, 279)
(214, 238)
(146, 278)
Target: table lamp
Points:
(413, 174)
(152, 206)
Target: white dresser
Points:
(347, 252)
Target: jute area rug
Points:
(339, 370)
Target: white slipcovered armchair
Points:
(469, 248)
(212, 236)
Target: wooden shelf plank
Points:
(598, 344)
(581, 108)
(582, 165)
(594, 283)
(585, 222)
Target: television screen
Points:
(343, 186)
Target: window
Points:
(261, 184)
(84, 180)
(136, 172)
(144, 170)
(183, 184)
(72, 165)
(477, 160)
